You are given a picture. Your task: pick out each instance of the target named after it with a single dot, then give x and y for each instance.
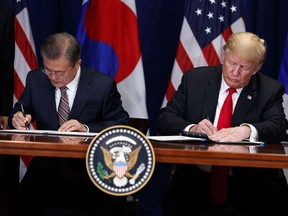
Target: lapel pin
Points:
(249, 97)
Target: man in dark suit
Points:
(95, 104)
(257, 115)
(8, 164)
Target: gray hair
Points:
(58, 44)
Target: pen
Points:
(27, 126)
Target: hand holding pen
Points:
(27, 124)
(210, 128)
(204, 126)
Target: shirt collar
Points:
(72, 86)
(224, 87)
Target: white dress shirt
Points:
(71, 90)
(221, 98)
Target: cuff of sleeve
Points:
(188, 127)
(87, 128)
(254, 133)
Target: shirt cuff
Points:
(188, 127)
(87, 128)
(254, 133)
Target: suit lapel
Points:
(49, 102)
(82, 94)
(245, 100)
(211, 95)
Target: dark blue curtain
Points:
(269, 19)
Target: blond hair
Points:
(247, 46)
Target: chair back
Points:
(140, 123)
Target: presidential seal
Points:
(120, 160)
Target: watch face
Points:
(120, 160)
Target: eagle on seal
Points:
(120, 161)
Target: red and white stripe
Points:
(25, 60)
(189, 54)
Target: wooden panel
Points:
(272, 155)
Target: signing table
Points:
(187, 152)
(13, 145)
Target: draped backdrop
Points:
(159, 28)
(140, 42)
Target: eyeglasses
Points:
(58, 75)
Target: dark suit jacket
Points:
(7, 49)
(97, 102)
(259, 104)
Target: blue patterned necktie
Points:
(63, 108)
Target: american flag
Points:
(25, 55)
(207, 24)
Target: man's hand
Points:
(233, 134)
(19, 120)
(4, 122)
(204, 126)
(72, 125)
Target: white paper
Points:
(186, 138)
(175, 138)
(50, 132)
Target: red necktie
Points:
(63, 108)
(219, 174)
(225, 115)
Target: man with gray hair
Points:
(65, 96)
